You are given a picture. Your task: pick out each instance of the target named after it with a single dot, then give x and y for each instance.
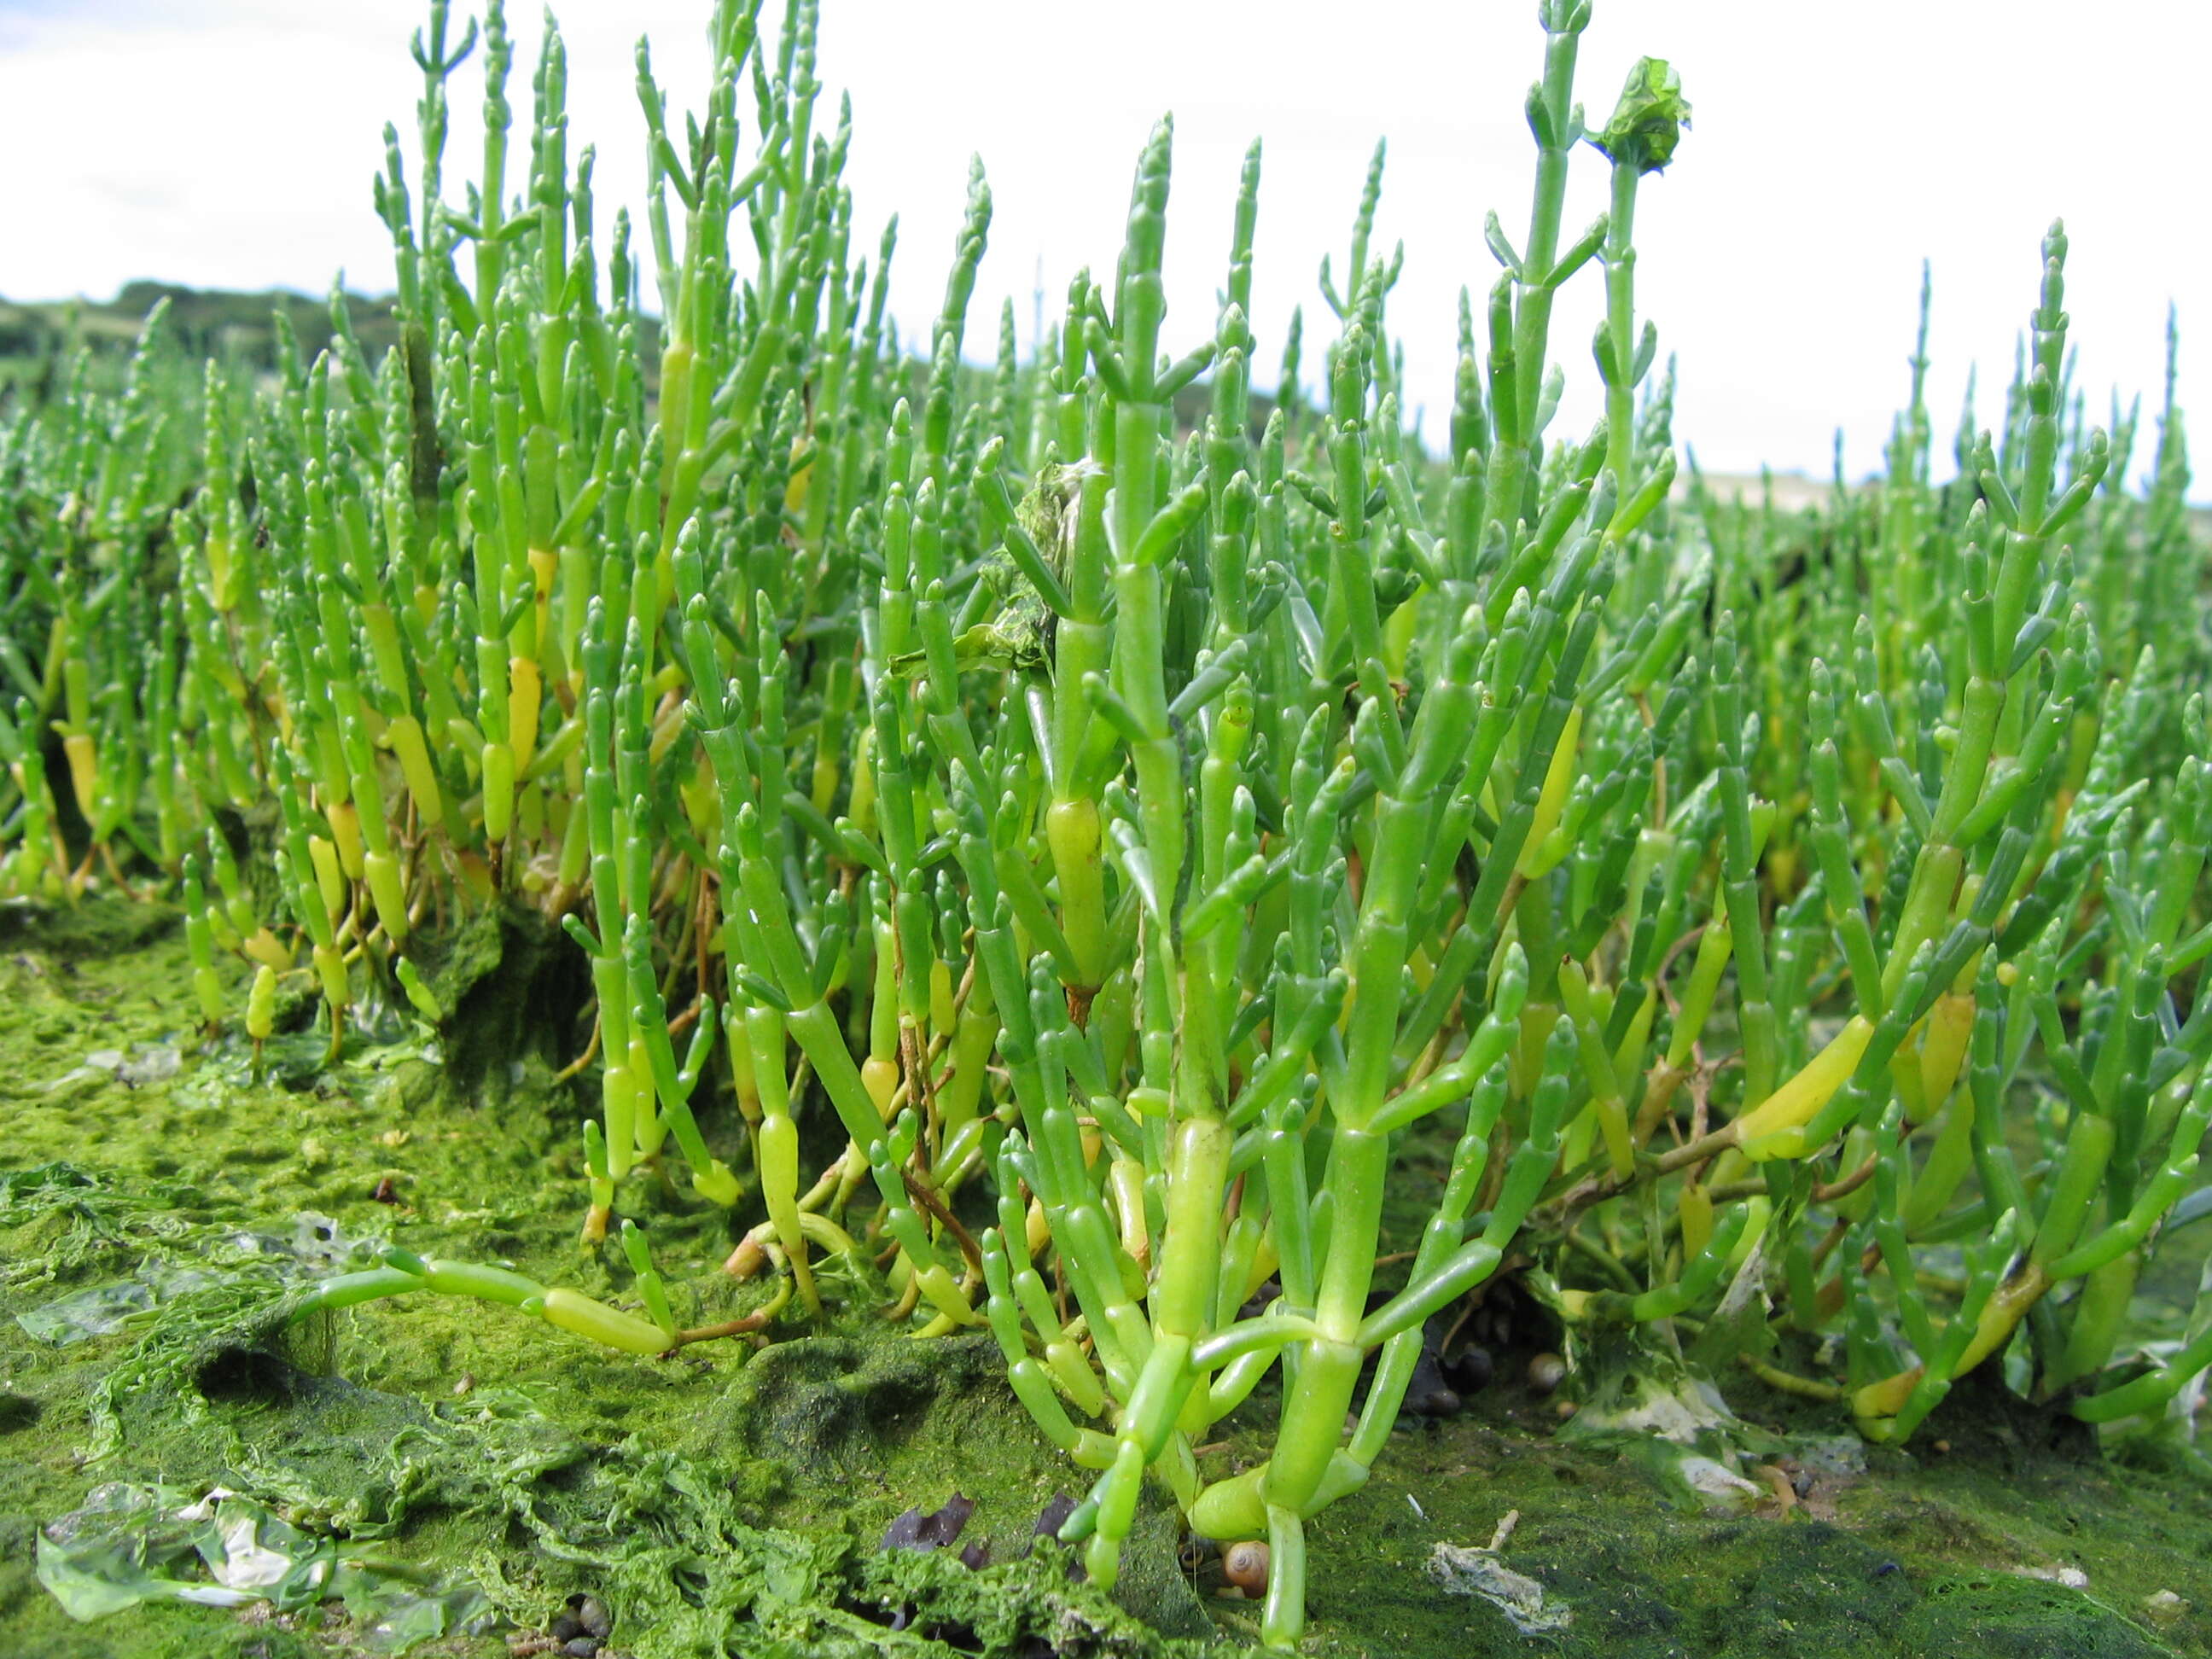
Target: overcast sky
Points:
(231, 142)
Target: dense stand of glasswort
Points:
(1132, 806)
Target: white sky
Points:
(231, 142)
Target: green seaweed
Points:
(733, 1501)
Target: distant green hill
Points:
(36, 336)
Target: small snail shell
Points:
(1245, 1565)
(1545, 1372)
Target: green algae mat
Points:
(188, 1470)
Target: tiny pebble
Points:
(584, 1647)
(1469, 1371)
(2164, 1608)
(1545, 1372)
(593, 1614)
(566, 1628)
(1245, 1565)
(1563, 1409)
